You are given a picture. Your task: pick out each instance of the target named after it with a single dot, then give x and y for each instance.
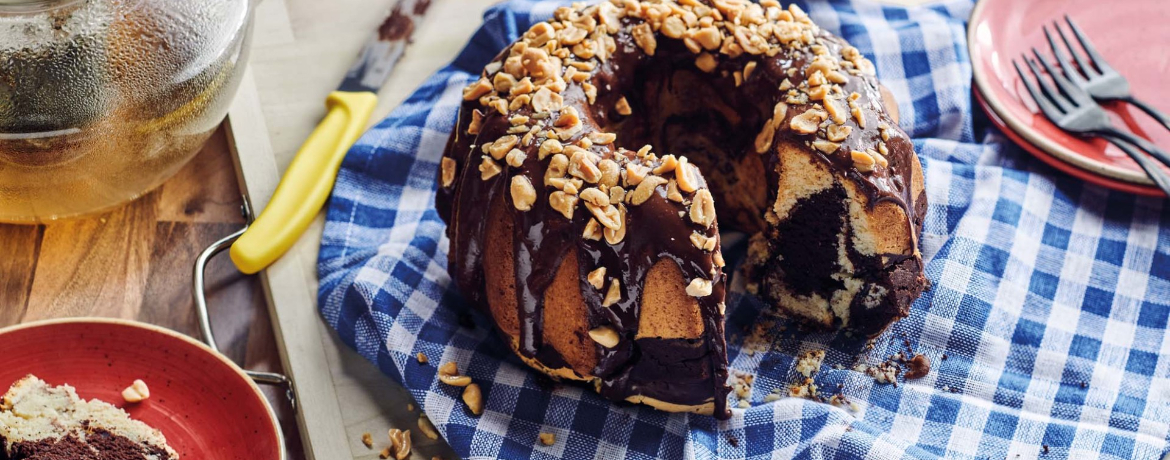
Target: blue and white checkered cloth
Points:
(1050, 298)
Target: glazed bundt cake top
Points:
(552, 126)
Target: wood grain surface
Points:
(135, 263)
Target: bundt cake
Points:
(582, 182)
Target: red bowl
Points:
(202, 402)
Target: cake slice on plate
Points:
(42, 422)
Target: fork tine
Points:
(1075, 94)
(1052, 92)
(1065, 65)
(1084, 64)
(1098, 60)
(1046, 106)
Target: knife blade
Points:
(383, 51)
(307, 183)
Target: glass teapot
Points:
(103, 100)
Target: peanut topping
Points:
(595, 197)
(476, 122)
(646, 189)
(704, 242)
(551, 146)
(448, 166)
(608, 216)
(547, 101)
(623, 107)
(808, 122)
(592, 230)
(596, 278)
(686, 176)
(616, 195)
(706, 62)
(558, 166)
(477, 90)
(602, 138)
(515, 158)
(613, 295)
(635, 173)
(488, 169)
(563, 203)
(502, 146)
(644, 38)
(825, 147)
(582, 165)
(669, 162)
(864, 162)
(523, 194)
(836, 112)
(838, 133)
(699, 288)
(766, 136)
(703, 208)
(605, 336)
(615, 236)
(672, 192)
(709, 37)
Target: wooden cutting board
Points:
(301, 51)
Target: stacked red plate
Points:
(1132, 38)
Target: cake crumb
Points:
(810, 362)
(805, 389)
(385, 453)
(886, 372)
(409, 407)
(548, 439)
(422, 358)
(733, 441)
(919, 366)
(368, 440)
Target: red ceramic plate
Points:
(1059, 164)
(1132, 36)
(205, 406)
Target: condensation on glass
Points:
(103, 100)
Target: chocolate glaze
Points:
(679, 371)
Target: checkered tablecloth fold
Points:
(1046, 324)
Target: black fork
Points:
(1073, 109)
(1093, 74)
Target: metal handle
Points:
(1151, 167)
(202, 312)
(1150, 110)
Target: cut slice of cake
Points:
(42, 422)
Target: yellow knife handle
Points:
(306, 184)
